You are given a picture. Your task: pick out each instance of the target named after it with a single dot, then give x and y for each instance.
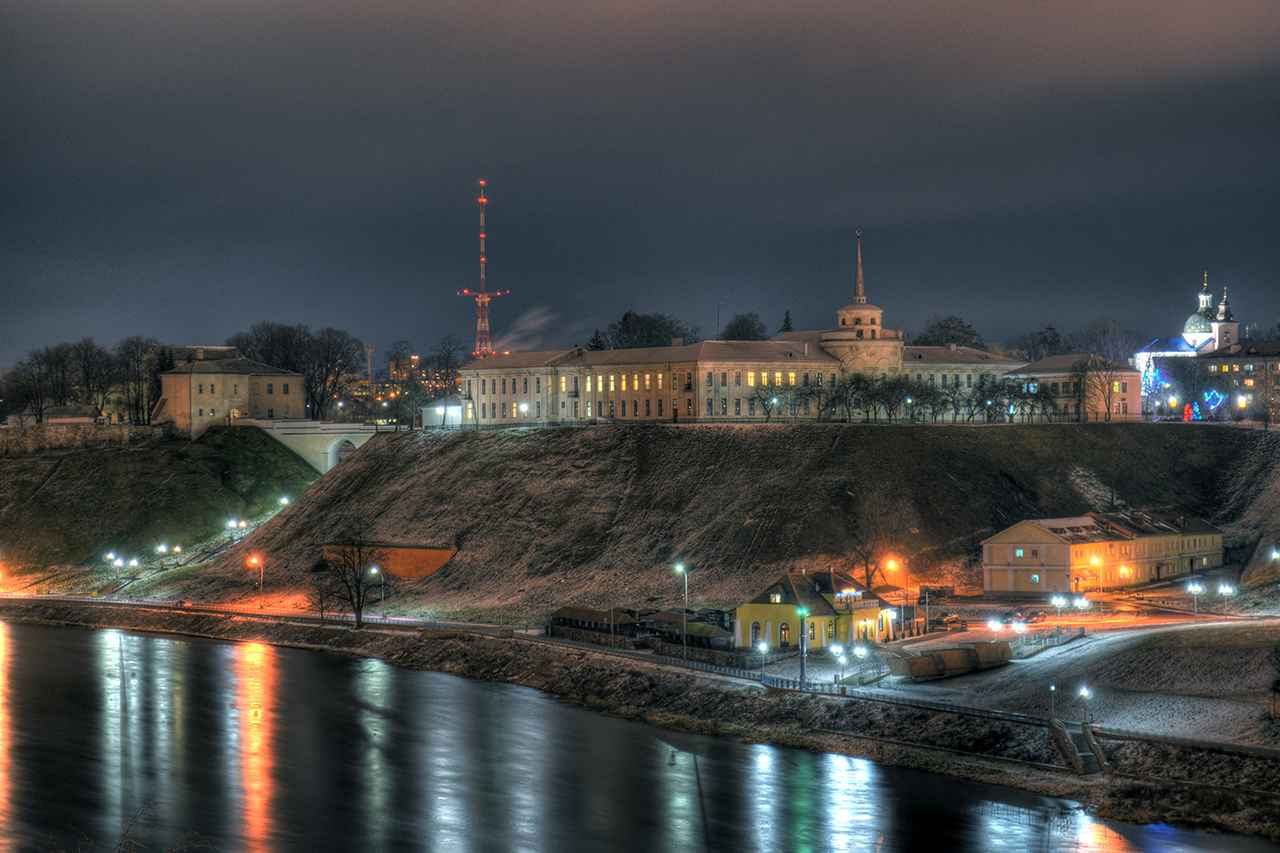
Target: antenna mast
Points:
(483, 347)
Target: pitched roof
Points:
(236, 365)
(806, 589)
(953, 355)
(590, 614)
(1067, 362)
(66, 412)
(1246, 349)
(773, 351)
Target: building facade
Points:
(840, 611)
(215, 386)
(1083, 387)
(1247, 375)
(791, 377)
(1094, 552)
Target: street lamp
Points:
(284, 502)
(382, 593)
(802, 612)
(255, 560)
(1085, 696)
(684, 616)
(995, 626)
(1082, 604)
(1059, 602)
(1053, 692)
(1226, 591)
(1195, 589)
(860, 652)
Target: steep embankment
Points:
(67, 507)
(597, 515)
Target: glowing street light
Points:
(1226, 591)
(803, 613)
(1059, 602)
(1082, 604)
(1195, 589)
(1085, 695)
(684, 617)
(284, 502)
(1053, 692)
(255, 560)
(382, 593)
(995, 627)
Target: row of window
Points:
(271, 413)
(235, 388)
(621, 382)
(1235, 368)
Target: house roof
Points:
(590, 614)
(953, 355)
(66, 412)
(1127, 524)
(1246, 349)
(1066, 363)
(238, 365)
(773, 352)
(807, 589)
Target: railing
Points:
(1054, 636)
(1244, 749)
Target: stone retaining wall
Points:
(44, 438)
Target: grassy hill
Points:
(70, 507)
(597, 515)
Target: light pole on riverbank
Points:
(803, 613)
(684, 617)
(382, 592)
(1195, 589)
(255, 560)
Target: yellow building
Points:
(1096, 552)
(840, 612)
(1084, 387)
(217, 384)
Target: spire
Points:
(859, 293)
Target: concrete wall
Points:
(23, 441)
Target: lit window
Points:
(624, 382)
(777, 378)
(751, 379)
(611, 388)
(1035, 579)
(563, 380)
(775, 598)
(659, 385)
(791, 378)
(646, 382)
(1017, 552)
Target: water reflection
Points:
(263, 749)
(255, 683)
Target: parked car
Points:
(949, 618)
(1036, 616)
(1012, 616)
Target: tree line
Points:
(329, 360)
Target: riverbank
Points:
(692, 701)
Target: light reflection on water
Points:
(263, 749)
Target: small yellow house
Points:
(840, 612)
(1095, 551)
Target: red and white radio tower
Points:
(483, 347)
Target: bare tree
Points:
(350, 567)
(323, 593)
(877, 525)
(745, 327)
(333, 359)
(1101, 380)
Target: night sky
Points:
(186, 169)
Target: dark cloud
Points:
(185, 170)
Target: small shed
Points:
(614, 621)
(74, 415)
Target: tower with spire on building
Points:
(860, 340)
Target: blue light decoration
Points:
(1213, 399)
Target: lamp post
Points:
(255, 560)
(1053, 692)
(1085, 696)
(1195, 589)
(764, 650)
(382, 592)
(1059, 602)
(1082, 604)
(995, 626)
(684, 617)
(1226, 591)
(838, 651)
(802, 613)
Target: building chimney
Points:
(677, 342)
(953, 347)
(199, 353)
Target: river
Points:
(249, 747)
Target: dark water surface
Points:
(256, 748)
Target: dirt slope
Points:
(597, 515)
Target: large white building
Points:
(788, 377)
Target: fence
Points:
(1033, 641)
(1241, 749)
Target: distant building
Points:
(841, 611)
(1206, 330)
(214, 385)
(1096, 551)
(73, 415)
(789, 377)
(1248, 375)
(1084, 387)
